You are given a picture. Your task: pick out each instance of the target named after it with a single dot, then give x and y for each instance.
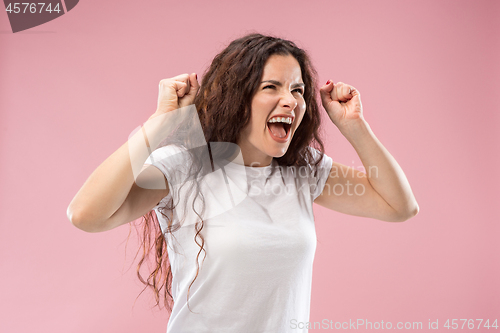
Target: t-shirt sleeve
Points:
(318, 180)
(158, 158)
(171, 161)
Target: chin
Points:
(278, 152)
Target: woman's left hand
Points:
(342, 102)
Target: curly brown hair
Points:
(223, 106)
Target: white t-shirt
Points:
(260, 241)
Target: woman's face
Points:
(276, 112)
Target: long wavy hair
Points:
(223, 106)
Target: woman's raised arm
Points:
(122, 188)
(384, 192)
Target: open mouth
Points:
(279, 127)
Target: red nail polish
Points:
(328, 82)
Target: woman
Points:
(237, 238)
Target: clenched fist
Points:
(342, 102)
(176, 92)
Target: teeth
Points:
(285, 120)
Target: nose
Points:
(287, 100)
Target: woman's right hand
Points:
(111, 197)
(176, 92)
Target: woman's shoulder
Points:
(314, 155)
(316, 160)
(164, 152)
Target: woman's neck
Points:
(253, 158)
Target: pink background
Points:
(73, 89)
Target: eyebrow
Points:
(279, 83)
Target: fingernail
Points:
(196, 75)
(328, 82)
